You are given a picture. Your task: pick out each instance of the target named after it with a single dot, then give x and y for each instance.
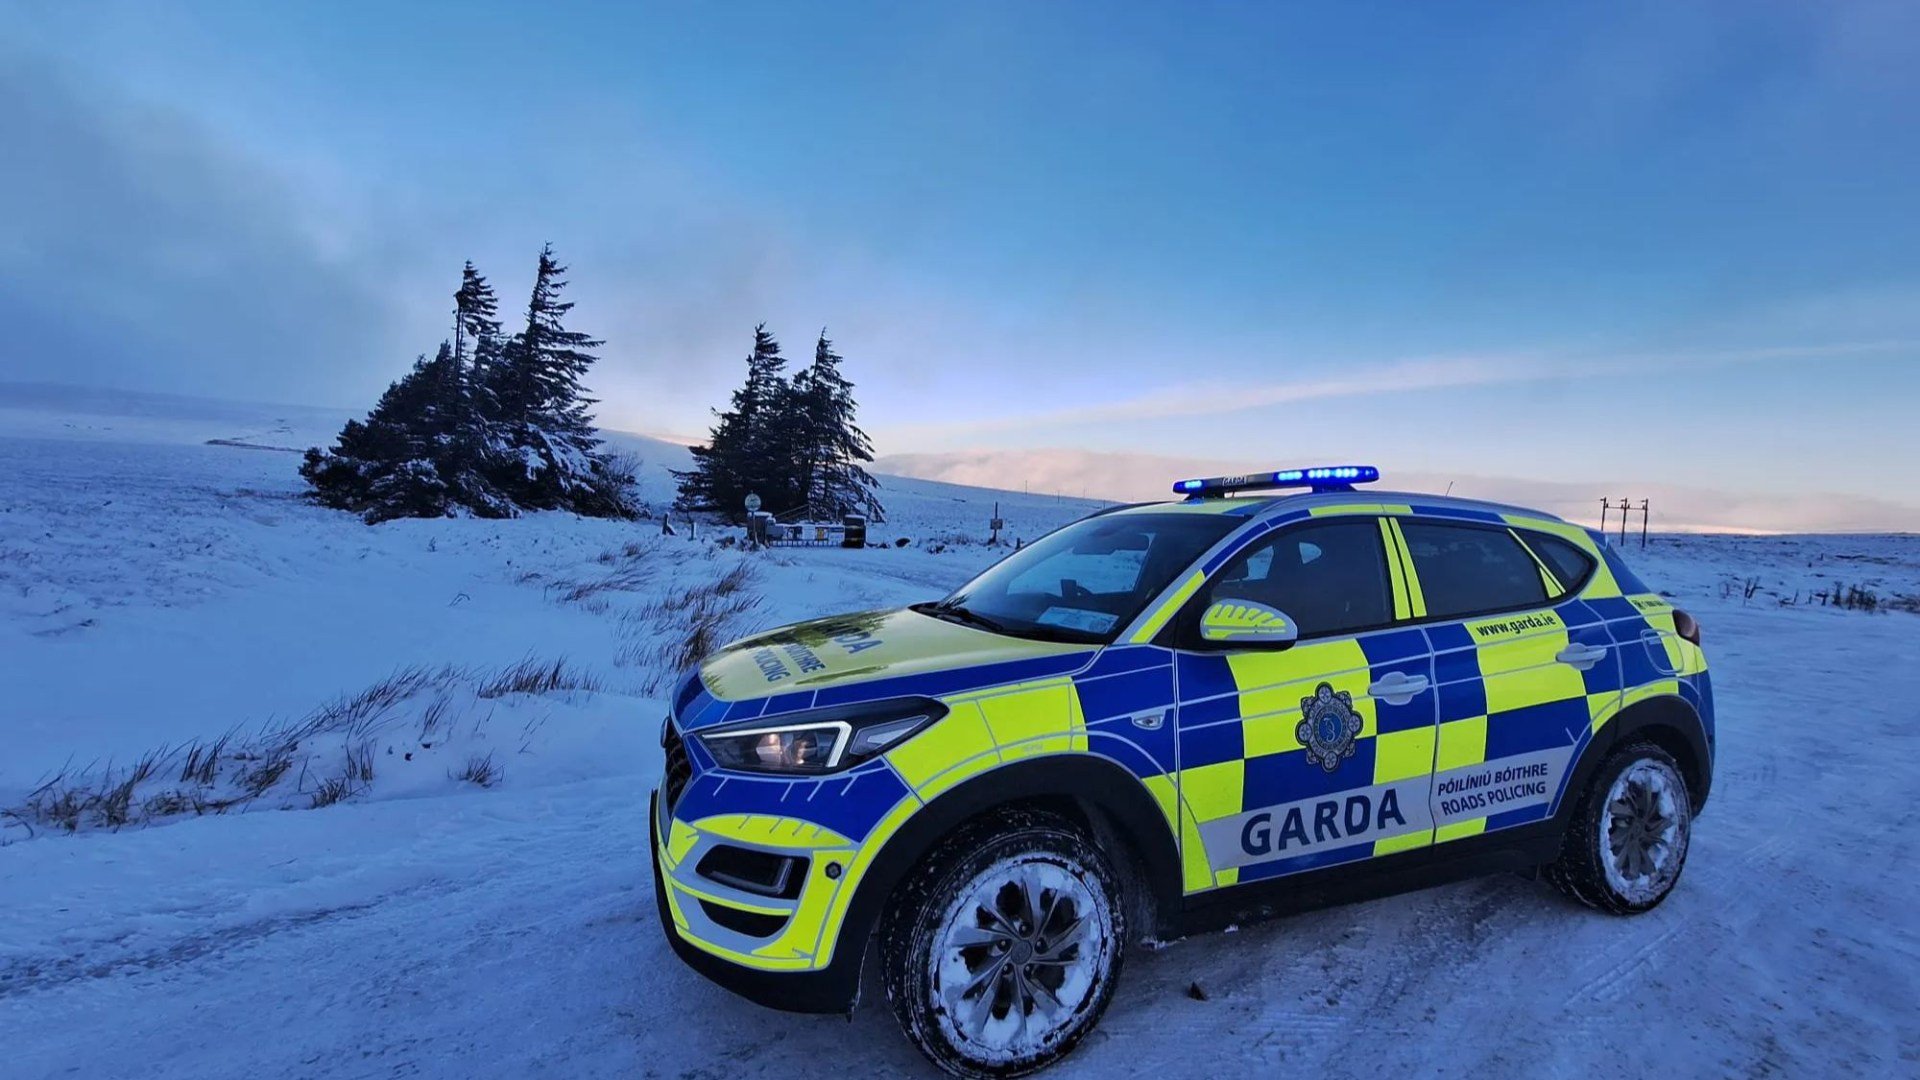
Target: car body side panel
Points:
(1193, 738)
(849, 817)
(1513, 717)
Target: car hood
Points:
(873, 645)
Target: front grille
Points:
(751, 923)
(763, 872)
(679, 766)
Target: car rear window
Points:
(1569, 564)
(1467, 569)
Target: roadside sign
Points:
(753, 503)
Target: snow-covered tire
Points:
(1017, 914)
(1627, 843)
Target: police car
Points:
(1162, 718)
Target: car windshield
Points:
(1084, 582)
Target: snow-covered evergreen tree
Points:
(504, 430)
(546, 453)
(749, 450)
(476, 335)
(792, 442)
(388, 466)
(831, 446)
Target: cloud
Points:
(1143, 477)
(1216, 398)
(138, 250)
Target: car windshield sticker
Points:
(1093, 622)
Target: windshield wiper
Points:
(956, 614)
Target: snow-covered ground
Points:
(156, 590)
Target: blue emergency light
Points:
(1322, 478)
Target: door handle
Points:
(1580, 656)
(1398, 688)
(1149, 721)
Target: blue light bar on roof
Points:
(1322, 478)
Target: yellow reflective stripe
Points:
(1402, 608)
(728, 901)
(751, 960)
(1160, 616)
(959, 746)
(1416, 599)
(1403, 755)
(1395, 844)
(1195, 873)
(1460, 830)
(1526, 521)
(1603, 707)
(835, 912)
(1462, 743)
(1208, 793)
(1360, 508)
(767, 830)
(1554, 589)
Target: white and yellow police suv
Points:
(1162, 718)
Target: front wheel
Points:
(1627, 844)
(1002, 948)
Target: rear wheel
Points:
(1627, 844)
(1002, 948)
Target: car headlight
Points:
(820, 740)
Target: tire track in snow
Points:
(20, 978)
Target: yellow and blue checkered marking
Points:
(1212, 737)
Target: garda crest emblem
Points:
(1328, 726)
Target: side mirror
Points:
(1247, 623)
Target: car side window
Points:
(1329, 577)
(1469, 569)
(1571, 566)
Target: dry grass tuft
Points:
(532, 676)
(281, 762)
(675, 632)
(481, 770)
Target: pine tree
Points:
(546, 451)
(749, 449)
(475, 325)
(503, 430)
(539, 380)
(830, 445)
(387, 467)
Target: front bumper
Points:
(833, 989)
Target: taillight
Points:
(1686, 626)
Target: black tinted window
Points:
(1466, 569)
(1569, 564)
(1329, 577)
(1087, 580)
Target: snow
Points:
(156, 589)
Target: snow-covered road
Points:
(512, 934)
(443, 931)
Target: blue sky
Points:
(1612, 242)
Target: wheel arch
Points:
(1669, 722)
(1099, 794)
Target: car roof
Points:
(1257, 506)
